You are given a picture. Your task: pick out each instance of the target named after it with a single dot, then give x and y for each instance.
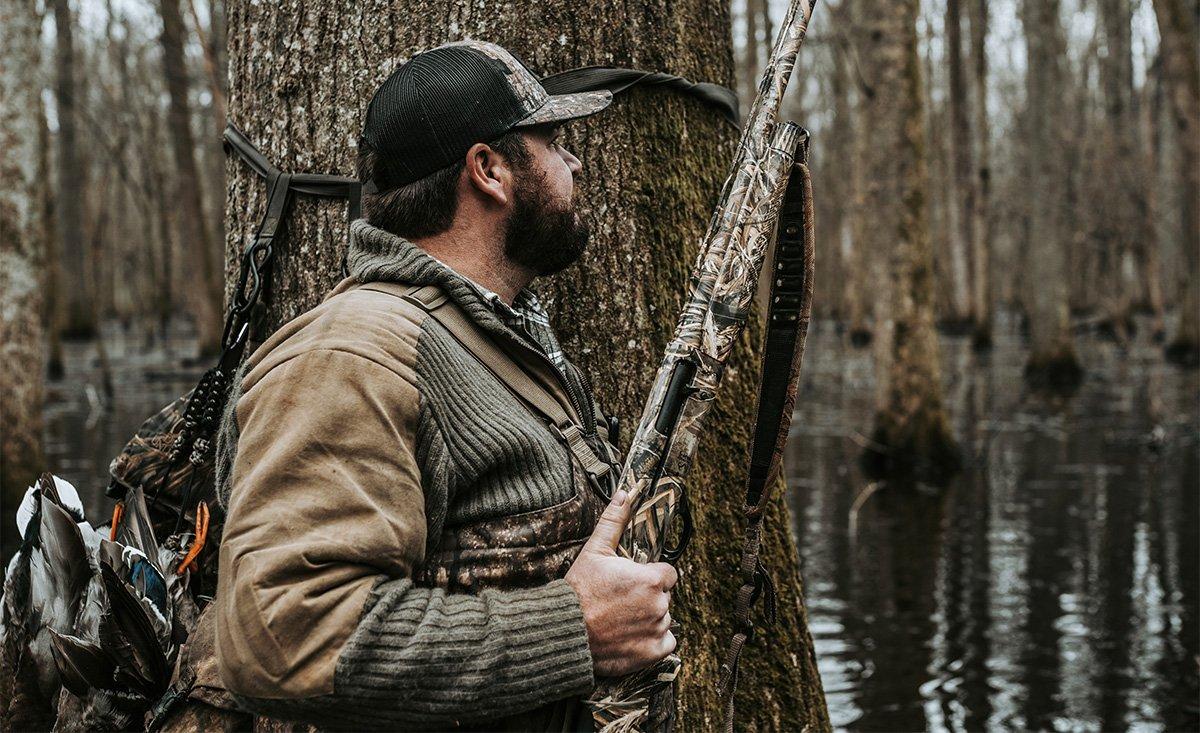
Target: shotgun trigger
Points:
(671, 554)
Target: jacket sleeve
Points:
(317, 618)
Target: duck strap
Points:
(203, 412)
(787, 326)
(173, 476)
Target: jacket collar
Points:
(378, 255)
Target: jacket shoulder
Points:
(376, 326)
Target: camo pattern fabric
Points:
(143, 463)
(530, 549)
(541, 106)
(518, 551)
(198, 701)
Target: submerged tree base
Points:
(860, 338)
(959, 326)
(1057, 373)
(1183, 352)
(981, 339)
(921, 451)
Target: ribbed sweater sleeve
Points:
(424, 659)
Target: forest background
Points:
(1048, 180)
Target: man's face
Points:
(544, 232)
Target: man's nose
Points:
(572, 162)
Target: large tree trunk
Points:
(912, 437)
(301, 77)
(75, 294)
(1177, 25)
(204, 287)
(22, 251)
(1122, 204)
(864, 269)
(980, 214)
(1052, 362)
(961, 202)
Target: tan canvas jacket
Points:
(364, 442)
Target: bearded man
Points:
(418, 531)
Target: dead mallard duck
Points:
(96, 621)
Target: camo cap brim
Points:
(563, 107)
(543, 108)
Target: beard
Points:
(542, 234)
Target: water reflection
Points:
(1052, 587)
(85, 428)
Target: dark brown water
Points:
(1053, 587)
(85, 428)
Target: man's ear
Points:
(488, 174)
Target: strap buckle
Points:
(572, 436)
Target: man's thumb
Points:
(607, 534)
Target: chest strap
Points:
(524, 387)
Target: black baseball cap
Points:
(432, 109)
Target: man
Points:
(410, 469)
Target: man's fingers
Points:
(668, 644)
(664, 624)
(668, 576)
(607, 534)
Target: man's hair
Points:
(425, 207)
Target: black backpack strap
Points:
(322, 185)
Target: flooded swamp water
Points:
(1054, 586)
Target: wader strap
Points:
(553, 408)
(787, 326)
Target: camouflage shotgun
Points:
(724, 282)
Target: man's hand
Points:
(625, 603)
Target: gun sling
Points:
(787, 326)
(544, 395)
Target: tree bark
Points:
(911, 436)
(750, 55)
(865, 270)
(1123, 205)
(22, 251)
(204, 288)
(78, 311)
(980, 214)
(963, 192)
(301, 77)
(1177, 25)
(1051, 362)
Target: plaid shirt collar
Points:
(526, 316)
